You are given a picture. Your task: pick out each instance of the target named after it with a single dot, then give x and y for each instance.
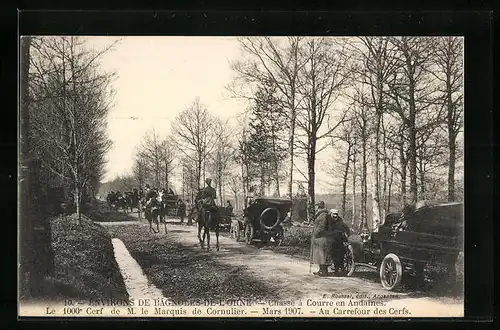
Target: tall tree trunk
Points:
(388, 205)
(364, 219)
(422, 178)
(292, 141)
(344, 179)
(412, 162)
(451, 168)
(243, 183)
(26, 232)
(403, 184)
(353, 189)
(221, 198)
(166, 176)
(311, 163)
(376, 172)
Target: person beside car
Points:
(321, 240)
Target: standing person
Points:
(340, 232)
(181, 209)
(321, 241)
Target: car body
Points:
(225, 215)
(262, 219)
(430, 237)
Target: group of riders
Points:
(145, 200)
(152, 197)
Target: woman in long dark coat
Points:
(322, 241)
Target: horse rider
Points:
(208, 194)
(150, 195)
(322, 240)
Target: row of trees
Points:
(388, 109)
(391, 109)
(69, 99)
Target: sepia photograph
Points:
(240, 177)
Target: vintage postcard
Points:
(240, 177)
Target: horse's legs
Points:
(199, 231)
(217, 235)
(202, 241)
(165, 225)
(206, 233)
(207, 229)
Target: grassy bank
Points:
(84, 263)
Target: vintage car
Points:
(428, 238)
(262, 220)
(170, 205)
(225, 217)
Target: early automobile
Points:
(425, 239)
(262, 220)
(225, 216)
(170, 204)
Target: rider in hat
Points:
(208, 194)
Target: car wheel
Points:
(248, 233)
(391, 272)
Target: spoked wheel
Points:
(249, 233)
(391, 272)
(348, 264)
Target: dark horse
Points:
(152, 214)
(208, 218)
(133, 201)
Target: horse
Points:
(152, 214)
(121, 202)
(133, 201)
(208, 218)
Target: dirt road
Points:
(177, 265)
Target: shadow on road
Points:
(185, 272)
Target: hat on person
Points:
(334, 211)
(320, 204)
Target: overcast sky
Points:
(157, 78)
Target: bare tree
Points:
(222, 155)
(322, 81)
(376, 64)
(167, 159)
(448, 60)
(194, 132)
(412, 93)
(139, 170)
(71, 99)
(277, 63)
(153, 155)
(346, 136)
